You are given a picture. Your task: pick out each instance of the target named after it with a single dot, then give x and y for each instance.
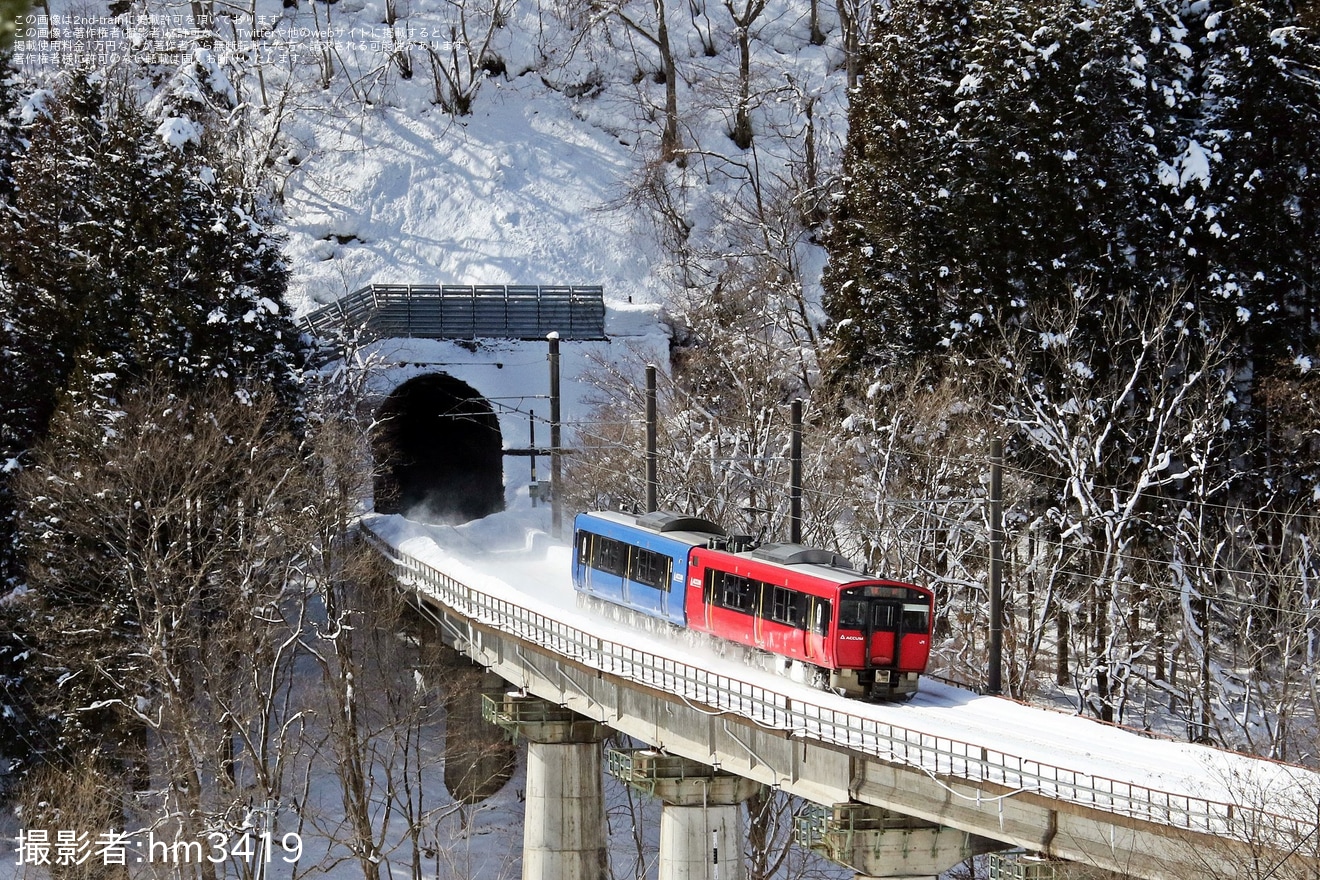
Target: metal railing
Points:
(452, 311)
(938, 756)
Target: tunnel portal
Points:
(438, 452)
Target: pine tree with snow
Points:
(1039, 146)
(131, 252)
(1249, 179)
(10, 147)
(1052, 139)
(128, 247)
(10, 141)
(894, 229)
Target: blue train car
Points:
(638, 562)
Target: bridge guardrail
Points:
(934, 755)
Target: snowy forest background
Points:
(1086, 228)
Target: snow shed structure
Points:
(456, 311)
(438, 451)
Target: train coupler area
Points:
(874, 684)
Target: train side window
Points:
(733, 592)
(727, 596)
(650, 568)
(584, 548)
(787, 606)
(736, 593)
(610, 556)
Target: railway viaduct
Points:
(891, 802)
(895, 802)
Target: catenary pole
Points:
(994, 679)
(795, 472)
(556, 476)
(652, 482)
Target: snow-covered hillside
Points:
(553, 174)
(546, 181)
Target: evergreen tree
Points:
(895, 238)
(1033, 147)
(1054, 132)
(16, 734)
(1252, 221)
(129, 252)
(10, 142)
(10, 147)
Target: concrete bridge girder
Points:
(827, 774)
(876, 842)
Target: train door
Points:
(818, 627)
(708, 587)
(662, 575)
(584, 561)
(758, 612)
(884, 638)
(914, 636)
(868, 631)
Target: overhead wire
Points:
(923, 507)
(593, 434)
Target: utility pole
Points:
(994, 679)
(531, 447)
(556, 476)
(652, 482)
(795, 472)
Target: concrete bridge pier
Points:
(880, 844)
(701, 819)
(564, 826)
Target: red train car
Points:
(857, 635)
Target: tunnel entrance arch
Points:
(439, 452)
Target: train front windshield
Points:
(882, 614)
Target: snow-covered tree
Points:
(1001, 153)
(1127, 415)
(895, 227)
(1247, 177)
(128, 249)
(164, 591)
(648, 27)
(10, 148)
(468, 53)
(129, 252)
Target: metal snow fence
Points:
(453, 311)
